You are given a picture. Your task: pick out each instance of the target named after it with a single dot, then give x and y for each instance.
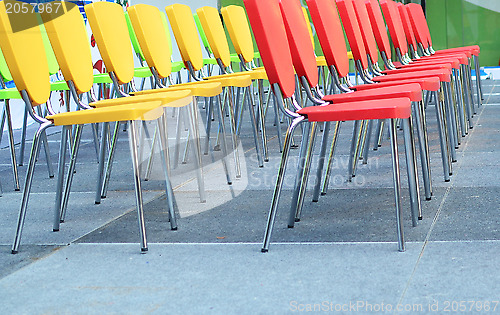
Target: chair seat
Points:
(169, 98)
(10, 93)
(475, 50)
(142, 72)
(145, 111)
(444, 75)
(232, 79)
(102, 78)
(177, 66)
(418, 67)
(197, 88)
(412, 90)
(426, 84)
(463, 58)
(376, 109)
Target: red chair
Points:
(395, 23)
(267, 24)
(423, 36)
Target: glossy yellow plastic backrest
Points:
(237, 26)
(212, 25)
(69, 40)
(309, 28)
(22, 45)
(151, 35)
(184, 28)
(109, 27)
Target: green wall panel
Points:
(455, 23)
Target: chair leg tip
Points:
(14, 252)
(446, 180)
(428, 198)
(55, 230)
(297, 219)
(97, 202)
(315, 200)
(229, 183)
(144, 249)
(420, 218)
(17, 189)
(266, 160)
(174, 228)
(290, 226)
(52, 176)
(264, 250)
(323, 194)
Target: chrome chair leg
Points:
(277, 121)
(195, 142)
(411, 167)
(321, 161)
(46, 150)
(359, 147)
(149, 165)
(422, 149)
(442, 139)
(279, 184)
(254, 128)
(479, 86)
(305, 176)
(448, 117)
(232, 125)
(100, 168)
(71, 171)
(109, 164)
(95, 136)
(366, 143)
(209, 109)
(397, 185)
(460, 103)
(168, 185)
(60, 178)
(333, 145)
(137, 183)
(11, 144)
(471, 88)
(27, 185)
(223, 142)
(2, 123)
(306, 132)
(379, 133)
(23, 138)
(356, 134)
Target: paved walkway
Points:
(342, 257)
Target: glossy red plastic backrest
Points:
(299, 40)
(352, 30)
(378, 26)
(419, 24)
(270, 35)
(366, 29)
(394, 25)
(405, 19)
(329, 30)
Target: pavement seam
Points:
(445, 197)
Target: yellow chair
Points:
(22, 46)
(216, 37)
(110, 31)
(186, 36)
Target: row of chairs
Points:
(68, 39)
(389, 99)
(393, 94)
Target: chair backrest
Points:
(133, 37)
(49, 53)
(22, 45)
(304, 60)
(352, 31)
(148, 25)
(378, 27)
(419, 24)
(331, 37)
(270, 35)
(108, 24)
(309, 27)
(236, 23)
(394, 25)
(405, 19)
(201, 31)
(69, 40)
(167, 31)
(184, 28)
(366, 29)
(214, 31)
